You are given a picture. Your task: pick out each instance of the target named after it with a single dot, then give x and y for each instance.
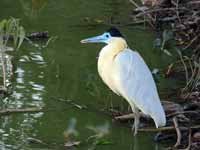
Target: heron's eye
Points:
(107, 35)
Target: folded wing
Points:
(134, 82)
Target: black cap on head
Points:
(114, 32)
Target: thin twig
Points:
(130, 116)
(184, 112)
(178, 132)
(148, 15)
(71, 103)
(168, 128)
(191, 42)
(189, 140)
(185, 67)
(160, 10)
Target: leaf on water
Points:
(98, 21)
(104, 142)
(72, 143)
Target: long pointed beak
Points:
(96, 39)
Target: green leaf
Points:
(2, 25)
(21, 36)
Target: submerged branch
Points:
(130, 116)
(32, 36)
(25, 110)
(38, 35)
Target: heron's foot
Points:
(134, 129)
(136, 124)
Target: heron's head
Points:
(106, 37)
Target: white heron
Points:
(126, 74)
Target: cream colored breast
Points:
(106, 61)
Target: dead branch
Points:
(189, 140)
(148, 15)
(32, 36)
(184, 112)
(130, 116)
(178, 132)
(71, 103)
(25, 110)
(168, 128)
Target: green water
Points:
(66, 69)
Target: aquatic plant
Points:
(9, 29)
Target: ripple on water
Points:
(36, 57)
(36, 87)
(20, 75)
(24, 58)
(36, 96)
(17, 95)
(20, 80)
(20, 86)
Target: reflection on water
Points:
(67, 70)
(28, 91)
(20, 75)
(24, 59)
(32, 8)
(10, 133)
(36, 87)
(37, 58)
(33, 90)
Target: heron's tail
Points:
(159, 117)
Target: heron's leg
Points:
(136, 120)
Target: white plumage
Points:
(126, 74)
(137, 85)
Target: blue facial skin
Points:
(104, 38)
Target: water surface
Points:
(67, 70)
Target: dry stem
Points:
(25, 110)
